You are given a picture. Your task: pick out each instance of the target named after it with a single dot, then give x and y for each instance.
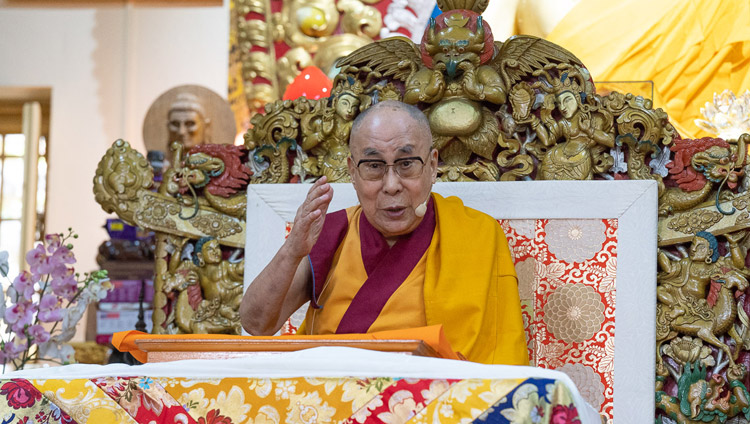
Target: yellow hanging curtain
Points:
(689, 49)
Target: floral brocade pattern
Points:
(566, 280)
(23, 403)
(353, 400)
(574, 312)
(574, 240)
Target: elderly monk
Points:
(403, 258)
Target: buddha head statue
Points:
(187, 121)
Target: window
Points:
(23, 130)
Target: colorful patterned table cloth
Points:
(323, 385)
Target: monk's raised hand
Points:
(310, 217)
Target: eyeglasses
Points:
(375, 169)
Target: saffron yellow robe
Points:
(465, 281)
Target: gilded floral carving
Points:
(156, 212)
(693, 222)
(687, 349)
(120, 175)
(216, 225)
(740, 203)
(743, 219)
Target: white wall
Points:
(105, 65)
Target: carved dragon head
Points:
(455, 41)
(707, 159)
(217, 167)
(734, 280)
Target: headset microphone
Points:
(422, 208)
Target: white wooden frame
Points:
(632, 203)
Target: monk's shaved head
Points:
(385, 112)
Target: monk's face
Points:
(389, 203)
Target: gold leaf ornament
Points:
(120, 175)
(360, 19)
(693, 222)
(398, 57)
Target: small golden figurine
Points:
(328, 140)
(208, 290)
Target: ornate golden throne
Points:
(521, 109)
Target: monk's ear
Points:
(433, 159)
(352, 171)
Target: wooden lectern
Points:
(424, 341)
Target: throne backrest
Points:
(577, 247)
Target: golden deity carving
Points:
(684, 304)
(520, 109)
(328, 139)
(458, 76)
(202, 196)
(311, 31)
(586, 130)
(317, 131)
(206, 290)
